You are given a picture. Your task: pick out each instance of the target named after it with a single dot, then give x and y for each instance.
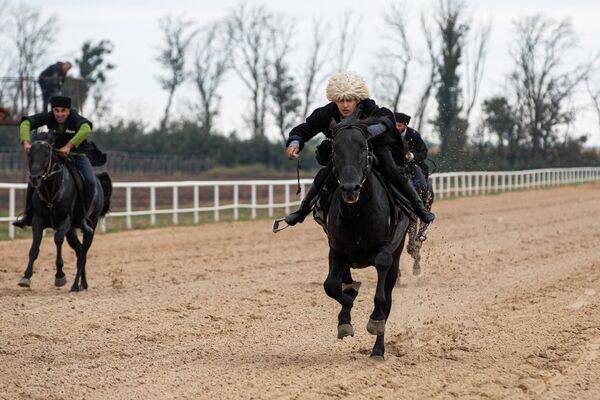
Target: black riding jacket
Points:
(320, 119)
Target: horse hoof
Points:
(375, 327)
(24, 282)
(74, 289)
(345, 330)
(62, 281)
(349, 286)
(377, 357)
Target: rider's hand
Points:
(64, 151)
(26, 146)
(409, 156)
(292, 151)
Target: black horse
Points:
(57, 205)
(361, 232)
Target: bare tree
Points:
(177, 38)
(475, 57)
(312, 75)
(32, 36)
(542, 82)
(347, 40)
(430, 81)
(393, 63)
(250, 30)
(595, 96)
(283, 91)
(212, 61)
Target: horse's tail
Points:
(106, 184)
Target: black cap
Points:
(402, 118)
(60, 101)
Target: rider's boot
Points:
(306, 206)
(409, 191)
(86, 205)
(26, 218)
(307, 203)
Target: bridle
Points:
(52, 168)
(367, 153)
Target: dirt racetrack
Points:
(508, 306)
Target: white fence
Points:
(279, 195)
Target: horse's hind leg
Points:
(34, 251)
(81, 261)
(414, 247)
(59, 237)
(333, 288)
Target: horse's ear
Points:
(332, 124)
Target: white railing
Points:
(278, 194)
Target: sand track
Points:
(508, 306)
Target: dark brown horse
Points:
(360, 233)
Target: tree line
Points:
(527, 124)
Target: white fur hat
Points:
(347, 85)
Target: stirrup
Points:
(275, 228)
(422, 235)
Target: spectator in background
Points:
(51, 81)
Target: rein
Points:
(51, 169)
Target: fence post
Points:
(216, 203)
(253, 200)
(270, 200)
(287, 198)
(175, 205)
(235, 202)
(11, 212)
(153, 206)
(128, 206)
(196, 204)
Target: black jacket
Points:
(413, 142)
(320, 119)
(71, 126)
(53, 76)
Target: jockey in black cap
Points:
(72, 131)
(415, 154)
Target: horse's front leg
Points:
(81, 261)
(34, 251)
(383, 263)
(60, 279)
(390, 281)
(333, 288)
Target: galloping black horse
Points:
(56, 205)
(360, 233)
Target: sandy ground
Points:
(508, 306)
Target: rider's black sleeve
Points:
(317, 122)
(416, 145)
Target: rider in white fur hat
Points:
(348, 94)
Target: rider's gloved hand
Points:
(376, 129)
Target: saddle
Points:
(77, 178)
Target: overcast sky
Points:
(132, 26)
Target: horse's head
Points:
(351, 157)
(40, 161)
